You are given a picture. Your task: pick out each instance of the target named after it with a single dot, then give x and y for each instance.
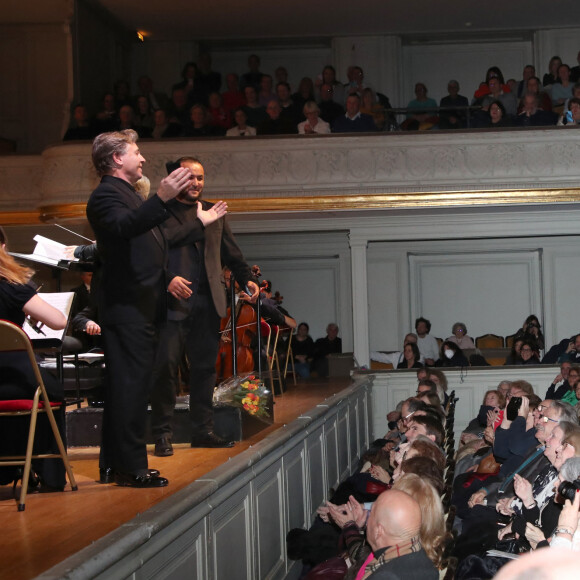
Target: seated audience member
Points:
(122, 93)
(303, 350)
(313, 124)
(233, 98)
(551, 76)
(218, 116)
(330, 109)
(393, 532)
(571, 395)
(18, 299)
(353, 121)
(572, 115)
(304, 93)
(127, 121)
(328, 78)
(418, 118)
(575, 70)
(253, 77)
(106, 119)
(394, 358)
(143, 114)
(255, 113)
(562, 90)
(532, 330)
(453, 118)
(528, 353)
(514, 357)
(560, 385)
(289, 109)
(534, 86)
(193, 93)
(241, 129)
(266, 93)
(162, 128)
(532, 116)
(178, 110)
(460, 338)
(483, 90)
(522, 87)
(411, 357)
(208, 81)
(157, 100)
(80, 128)
(281, 75)
(450, 355)
(370, 106)
(276, 124)
(198, 123)
(355, 85)
(323, 347)
(495, 118)
(440, 380)
(567, 533)
(425, 425)
(427, 344)
(493, 401)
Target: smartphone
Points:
(171, 166)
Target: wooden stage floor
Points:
(55, 526)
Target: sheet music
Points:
(61, 301)
(47, 248)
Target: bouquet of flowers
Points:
(247, 392)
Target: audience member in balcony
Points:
(157, 100)
(276, 123)
(417, 117)
(122, 93)
(355, 83)
(179, 111)
(514, 357)
(353, 121)
(497, 117)
(313, 124)
(572, 115)
(281, 75)
(255, 113)
(427, 344)
(575, 70)
(289, 109)
(302, 350)
(127, 121)
(218, 117)
(189, 84)
(266, 93)
(411, 357)
(233, 98)
(529, 353)
(198, 124)
(330, 109)
(453, 119)
(80, 128)
(328, 77)
(106, 119)
(163, 128)
(394, 358)
(483, 90)
(532, 330)
(562, 90)
(560, 385)
(450, 355)
(551, 76)
(497, 93)
(143, 114)
(208, 81)
(323, 347)
(253, 77)
(240, 129)
(571, 395)
(534, 86)
(459, 336)
(528, 72)
(532, 116)
(304, 93)
(370, 106)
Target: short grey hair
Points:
(106, 145)
(565, 412)
(570, 470)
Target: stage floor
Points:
(56, 526)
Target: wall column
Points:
(360, 312)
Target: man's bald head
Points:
(395, 518)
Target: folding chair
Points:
(13, 338)
(273, 360)
(289, 354)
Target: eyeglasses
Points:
(545, 419)
(407, 416)
(526, 349)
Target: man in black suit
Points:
(131, 298)
(197, 302)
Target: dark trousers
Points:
(130, 356)
(198, 337)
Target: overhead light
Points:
(141, 35)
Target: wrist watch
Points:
(563, 531)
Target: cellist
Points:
(197, 301)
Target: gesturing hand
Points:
(175, 182)
(179, 288)
(214, 213)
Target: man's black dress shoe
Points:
(163, 447)
(107, 474)
(210, 440)
(147, 480)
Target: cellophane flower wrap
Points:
(247, 392)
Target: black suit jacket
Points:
(133, 253)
